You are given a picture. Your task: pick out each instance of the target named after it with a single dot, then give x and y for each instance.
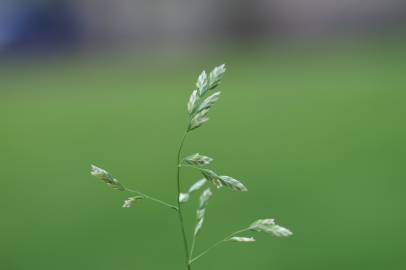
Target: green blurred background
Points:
(316, 130)
(318, 138)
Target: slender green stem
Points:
(217, 244)
(180, 215)
(152, 198)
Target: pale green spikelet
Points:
(184, 197)
(216, 75)
(106, 177)
(197, 159)
(242, 239)
(269, 226)
(209, 102)
(203, 202)
(193, 102)
(232, 183)
(201, 83)
(131, 201)
(198, 185)
(199, 119)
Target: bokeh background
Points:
(312, 119)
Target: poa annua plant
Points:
(200, 103)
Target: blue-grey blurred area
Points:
(39, 24)
(28, 25)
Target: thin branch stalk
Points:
(217, 244)
(152, 199)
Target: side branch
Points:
(152, 199)
(217, 244)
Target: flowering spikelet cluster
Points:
(199, 105)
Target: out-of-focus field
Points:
(318, 137)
